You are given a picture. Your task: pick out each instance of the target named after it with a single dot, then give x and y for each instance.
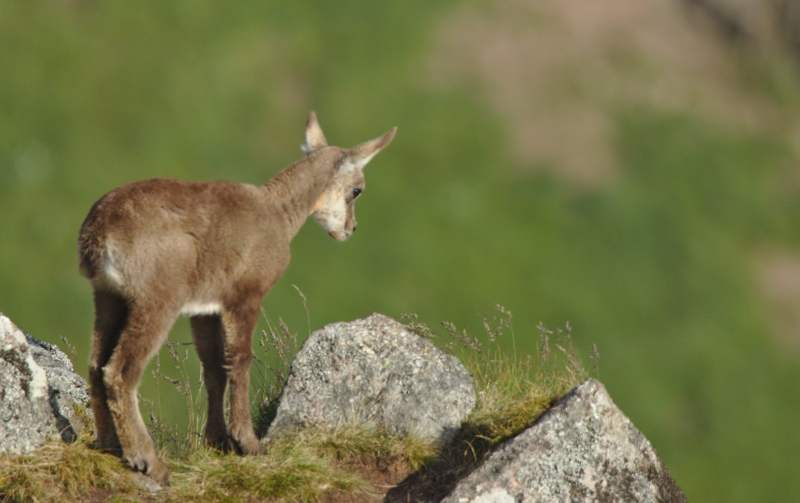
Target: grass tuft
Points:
(512, 391)
(362, 443)
(58, 471)
(291, 471)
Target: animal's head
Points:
(334, 209)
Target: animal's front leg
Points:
(209, 341)
(239, 323)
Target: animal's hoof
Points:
(249, 445)
(221, 444)
(151, 466)
(159, 472)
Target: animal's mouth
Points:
(339, 235)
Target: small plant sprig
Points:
(461, 338)
(412, 323)
(271, 377)
(495, 326)
(596, 359)
(168, 438)
(72, 350)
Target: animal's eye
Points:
(356, 192)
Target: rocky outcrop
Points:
(374, 371)
(67, 388)
(583, 449)
(24, 393)
(37, 391)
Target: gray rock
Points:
(24, 393)
(374, 371)
(67, 388)
(37, 391)
(583, 449)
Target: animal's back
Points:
(165, 218)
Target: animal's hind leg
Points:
(239, 322)
(146, 330)
(111, 314)
(208, 340)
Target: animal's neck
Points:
(297, 188)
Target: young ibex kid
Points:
(156, 249)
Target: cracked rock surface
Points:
(37, 391)
(66, 387)
(582, 450)
(374, 371)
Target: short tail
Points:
(90, 255)
(91, 245)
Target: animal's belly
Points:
(201, 308)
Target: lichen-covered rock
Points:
(38, 389)
(67, 388)
(374, 371)
(583, 449)
(24, 393)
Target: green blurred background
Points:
(628, 166)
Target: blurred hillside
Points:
(629, 167)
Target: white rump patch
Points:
(200, 308)
(111, 269)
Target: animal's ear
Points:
(315, 138)
(358, 156)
